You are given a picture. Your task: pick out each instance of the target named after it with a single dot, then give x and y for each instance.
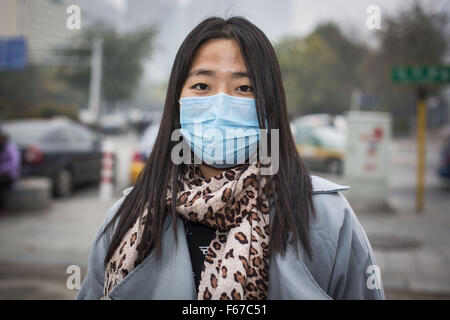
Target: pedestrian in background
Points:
(225, 231)
(9, 164)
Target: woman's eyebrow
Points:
(240, 74)
(201, 72)
(210, 73)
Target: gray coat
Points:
(343, 264)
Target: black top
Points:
(199, 237)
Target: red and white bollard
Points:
(107, 171)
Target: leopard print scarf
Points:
(237, 262)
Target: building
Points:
(43, 24)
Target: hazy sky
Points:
(275, 17)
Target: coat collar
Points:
(321, 185)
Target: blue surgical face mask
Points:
(222, 130)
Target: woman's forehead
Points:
(219, 55)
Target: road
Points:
(38, 247)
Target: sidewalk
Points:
(412, 250)
(60, 235)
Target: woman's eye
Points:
(200, 86)
(245, 88)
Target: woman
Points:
(231, 232)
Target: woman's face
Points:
(218, 67)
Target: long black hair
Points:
(291, 184)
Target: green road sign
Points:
(419, 74)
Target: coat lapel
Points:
(170, 278)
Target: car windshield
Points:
(330, 137)
(148, 138)
(24, 133)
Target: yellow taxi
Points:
(321, 146)
(137, 164)
(143, 150)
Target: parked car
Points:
(322, 119)
(114, 123)
(64, 151)
(321, 144)
(140, 119)
(143, 150)
(444, 162)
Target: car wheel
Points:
(63, 183)
(334, 166)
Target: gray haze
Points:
(276, 18)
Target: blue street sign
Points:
(13, 53)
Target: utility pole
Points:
(96, 79)
(421, 145)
